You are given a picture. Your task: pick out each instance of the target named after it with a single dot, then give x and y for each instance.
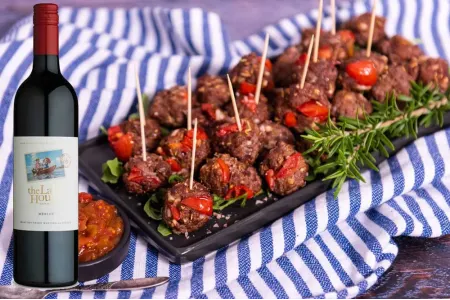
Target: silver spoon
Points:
(17, 292)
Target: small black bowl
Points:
(97, 268)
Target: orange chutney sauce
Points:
(99, 228)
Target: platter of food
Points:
(197, 169)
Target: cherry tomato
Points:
(247, 88)
(208, 108)
(325, 52)
(270, 174)
(290, 165)
(301, 59)
(203, 204)
(225, 130)
(314, 109)
(123, 147)
(249, 102)
(174, 165)
(363, 72)
(84, 197)
(225, 170)
(290, 119)
(114, 133)
(175, 212)
(239, 190)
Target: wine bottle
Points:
(45, 165)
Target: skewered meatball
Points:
(360, 25)
(272, 133)
(213, 90)
(321, 73)
(434, 71)
(176, 148)
(169, 107)
(401, 51)
(296, 96)
(245, 145)
(185, 209)
(226, 176)
(247, 70)
(396, 81)
(293, 119)
(208, 115)
(351, 105)
(358, 74)
(141, 177)
(284, 169)
(152, 134)
(248, 108)
(283, 67)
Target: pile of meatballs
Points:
(230, 162)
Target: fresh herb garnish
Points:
(164, 230)
(164, 131)
(112, 170)
(150, 209)
(221, 203)
(133, 116)
(175, 178)
(145, 104)
(348, 144)
(103, 130)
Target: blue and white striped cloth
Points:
(326, 248)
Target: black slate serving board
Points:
(215, 235)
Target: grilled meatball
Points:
(396, 81)
(223, 174)
(434, 71)
(322, 74)
(360, 26)
(401, 51)
(245, 145)
(141, 177)
(213, 90)
(248, 108)
(352, 77)
(208, 115)
(283, 67)
(176, 148)
(187, 210)
(296, 96)
(152, 134)
(272, 133)
(292, 118)
(351, 105)
(284, 169)
(169, 107)
(247, 70)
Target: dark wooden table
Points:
(422, 268)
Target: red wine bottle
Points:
(46, 165)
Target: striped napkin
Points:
(326, 248)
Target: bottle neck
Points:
(46, 49)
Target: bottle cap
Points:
(45, 14)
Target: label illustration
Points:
(45, 183)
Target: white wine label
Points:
(45, 183)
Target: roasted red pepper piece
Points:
(346, 35)
(225, 130)
(84, 197)
(114, 133)
(175, 212)
(363, 72)
(325, 52)
(187, 141)
(314, 109)
(290, 165)
(121, 143)
(247, 88)
(239, 190)
(270, 174)
(249, 102)
(225, 170)
(203, 204)
(267, 64)
(301, 59)
(209, 109)
(174, 164)
(290, 119)
(136, 176)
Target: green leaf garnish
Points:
(152, 212)
(175, 178)
(164, 230)
(222, 203)
(134, 116)
(103, 130)
(112, 170)
(164, 131)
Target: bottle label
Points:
(45, 183)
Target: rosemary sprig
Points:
(348, 144)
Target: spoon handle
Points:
(133, 284)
